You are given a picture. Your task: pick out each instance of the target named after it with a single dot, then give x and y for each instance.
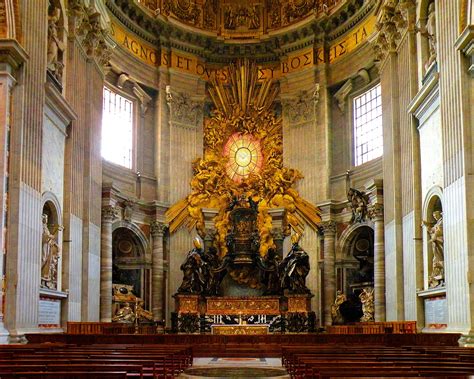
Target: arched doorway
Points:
(358, 272)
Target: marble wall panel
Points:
(29, 258)
(455, 256)
(93, 273)
(53, 158)
(391, 275)
(431, 145)
(74, 282)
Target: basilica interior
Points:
(219, 167)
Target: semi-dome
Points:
(247, 19)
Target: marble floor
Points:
(236, 368)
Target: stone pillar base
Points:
(466, 340)
(17, 338)
(4, 335)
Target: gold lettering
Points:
(125, 43)
(298, 62)
(308, 59)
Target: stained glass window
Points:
(368, 141)
(244, 154)
(117, 129)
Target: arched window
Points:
(368, 143)
(117, 129)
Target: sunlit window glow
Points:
(117, 129)
(368, 142)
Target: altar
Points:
(234, 330)
(243, 315)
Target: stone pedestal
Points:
(49, 309)
(299, 303)
(187, 303)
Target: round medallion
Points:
(245, 156)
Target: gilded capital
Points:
(157, 228)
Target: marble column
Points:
(329, 270)
(157, 270)
(109, 213)
(376, 214)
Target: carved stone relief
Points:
(210, 9)
(241, 16)
(296, 9)
(183, 109)
(358, 202)
(428, 30)
(184, 10)
(56, 45)
(302, 107)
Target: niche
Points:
(50, 247)
(129, 264)
(362, 249)
(434, 243)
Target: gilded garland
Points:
(243, 160)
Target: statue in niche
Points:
(358, 202)
(294, 269)
(336, 315)
(435, 231)
(429, 31)
(50, 254)
(367, 299)
(55, 45)
(194, 271)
